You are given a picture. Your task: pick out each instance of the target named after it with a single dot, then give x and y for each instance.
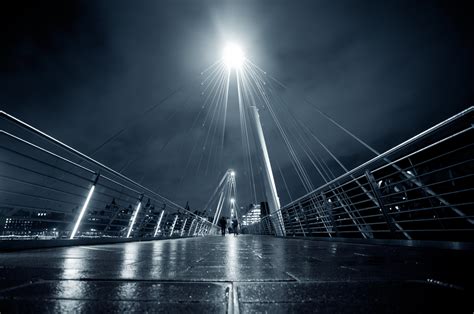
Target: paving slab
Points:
(248, 274)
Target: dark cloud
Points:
(82, 71)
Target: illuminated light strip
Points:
(191, 227)
(174, 223)
(83, 210)
(158, 224)
(200, 228)
(184, 225)
(195, 227)
(135, 214)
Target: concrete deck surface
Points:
(230, 274)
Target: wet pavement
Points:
(230, 274)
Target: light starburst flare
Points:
(233, 56)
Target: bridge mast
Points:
(234, 59)
(270, 187)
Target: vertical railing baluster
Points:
(378, 196)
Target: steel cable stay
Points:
(71, 186)
(461, 150)
(221, 111)
(405, 173)
(73, 151)
(296, 162)
(310, 155)
(416, 187)
(134, 121)
(397, 169)
(246, 97)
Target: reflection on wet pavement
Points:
(232, 274)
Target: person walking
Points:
(223, 225)
(229, 225)
(235, 226)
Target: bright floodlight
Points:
(232, 200)
(233, 56)
(232, 173)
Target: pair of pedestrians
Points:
(223, 224)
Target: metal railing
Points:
(422, 189)
(50, 190)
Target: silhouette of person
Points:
(235, 226)
(223, 225)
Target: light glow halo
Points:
(233, 56)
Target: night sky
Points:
(83, 70)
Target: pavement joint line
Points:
(42, 281)
(292, 276)
(347, 267)
(217, 282)
(161, 280)
(235, 299)
(439, 283)
(188, 268)
(26, 284)
(279, 302)
(95, 249)
(177, 281)
(228, 308)
(101, 300)
(417, 244)
(330, 281)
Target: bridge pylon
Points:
(269, 182)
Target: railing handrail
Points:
(383, 155)
(83, 156)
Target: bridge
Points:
(371, 240)
(394, 234)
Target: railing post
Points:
(328, 208)
(159, 223)
(292, 227)
(200, 228)
(196, 227)
(135, 214)
(191, 227)
(299, 220)
(174, 224)
(279, 223)
(378, 196)
(206, 229)
(268, 227)
(84, 207)
(306, 223)
(182, 228)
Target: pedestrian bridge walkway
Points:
(167, 258)
(230, 274)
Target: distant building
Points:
(252, 216)
(14, 226)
